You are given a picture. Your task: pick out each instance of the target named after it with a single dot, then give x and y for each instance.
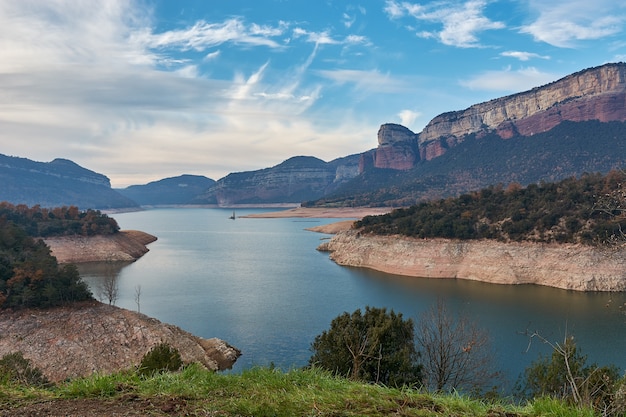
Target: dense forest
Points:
(58, 221)
(585, 210)
(29, 275)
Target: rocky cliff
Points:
(593, 94)
(571, 267)
(70, 342)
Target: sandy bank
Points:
(127, 245)
(323, 213)
(567, 266)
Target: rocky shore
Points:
(126, 245)
(87, 338)
(565, 266)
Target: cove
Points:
(260, 285)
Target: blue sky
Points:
(143, 90)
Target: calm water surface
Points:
(260, 285)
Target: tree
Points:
(455, 353)
(377, 346)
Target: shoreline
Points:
(322, 212)
(566, 266)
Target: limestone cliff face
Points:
(571, 267)
(593, 94)
(69, 342)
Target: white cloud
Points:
(85, 81)
(507, 80)
(563, 23)
(408, 117)
(212, 55)
(523, 56)
(460, 24)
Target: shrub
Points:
(161, 358)
(14, 368)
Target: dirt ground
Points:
(123, 406)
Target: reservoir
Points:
(260, 285)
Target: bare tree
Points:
(455, 353)
(612, 202)
(137, 296)
(567, 375)
(108, 289)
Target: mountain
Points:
(169, 191)
(60, 182)
(297, 179)
(593, 94)
(568, 127)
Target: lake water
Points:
(260, 285)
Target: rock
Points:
(126, 245)
(76, 341)
(565, 266)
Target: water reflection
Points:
(103, 279)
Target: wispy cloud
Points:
(459, 24)
(523, 56)
(563, 23)
(365, 81)
(203, 35)
(508, 80)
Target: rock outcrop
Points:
(571, 267)
(70, 342)
(126, 245)
(397, 148)
(593, 94)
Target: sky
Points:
(150, 89)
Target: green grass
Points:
(267, 392)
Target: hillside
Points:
(168, 191)
(57, 183)
(569, 149)
(297, 179)
(257, 392)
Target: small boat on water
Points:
(233, 216)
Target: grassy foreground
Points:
(261, 392)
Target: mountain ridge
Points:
(567, 127)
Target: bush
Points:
(14, 368)
(376, 346)
(161, 358)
